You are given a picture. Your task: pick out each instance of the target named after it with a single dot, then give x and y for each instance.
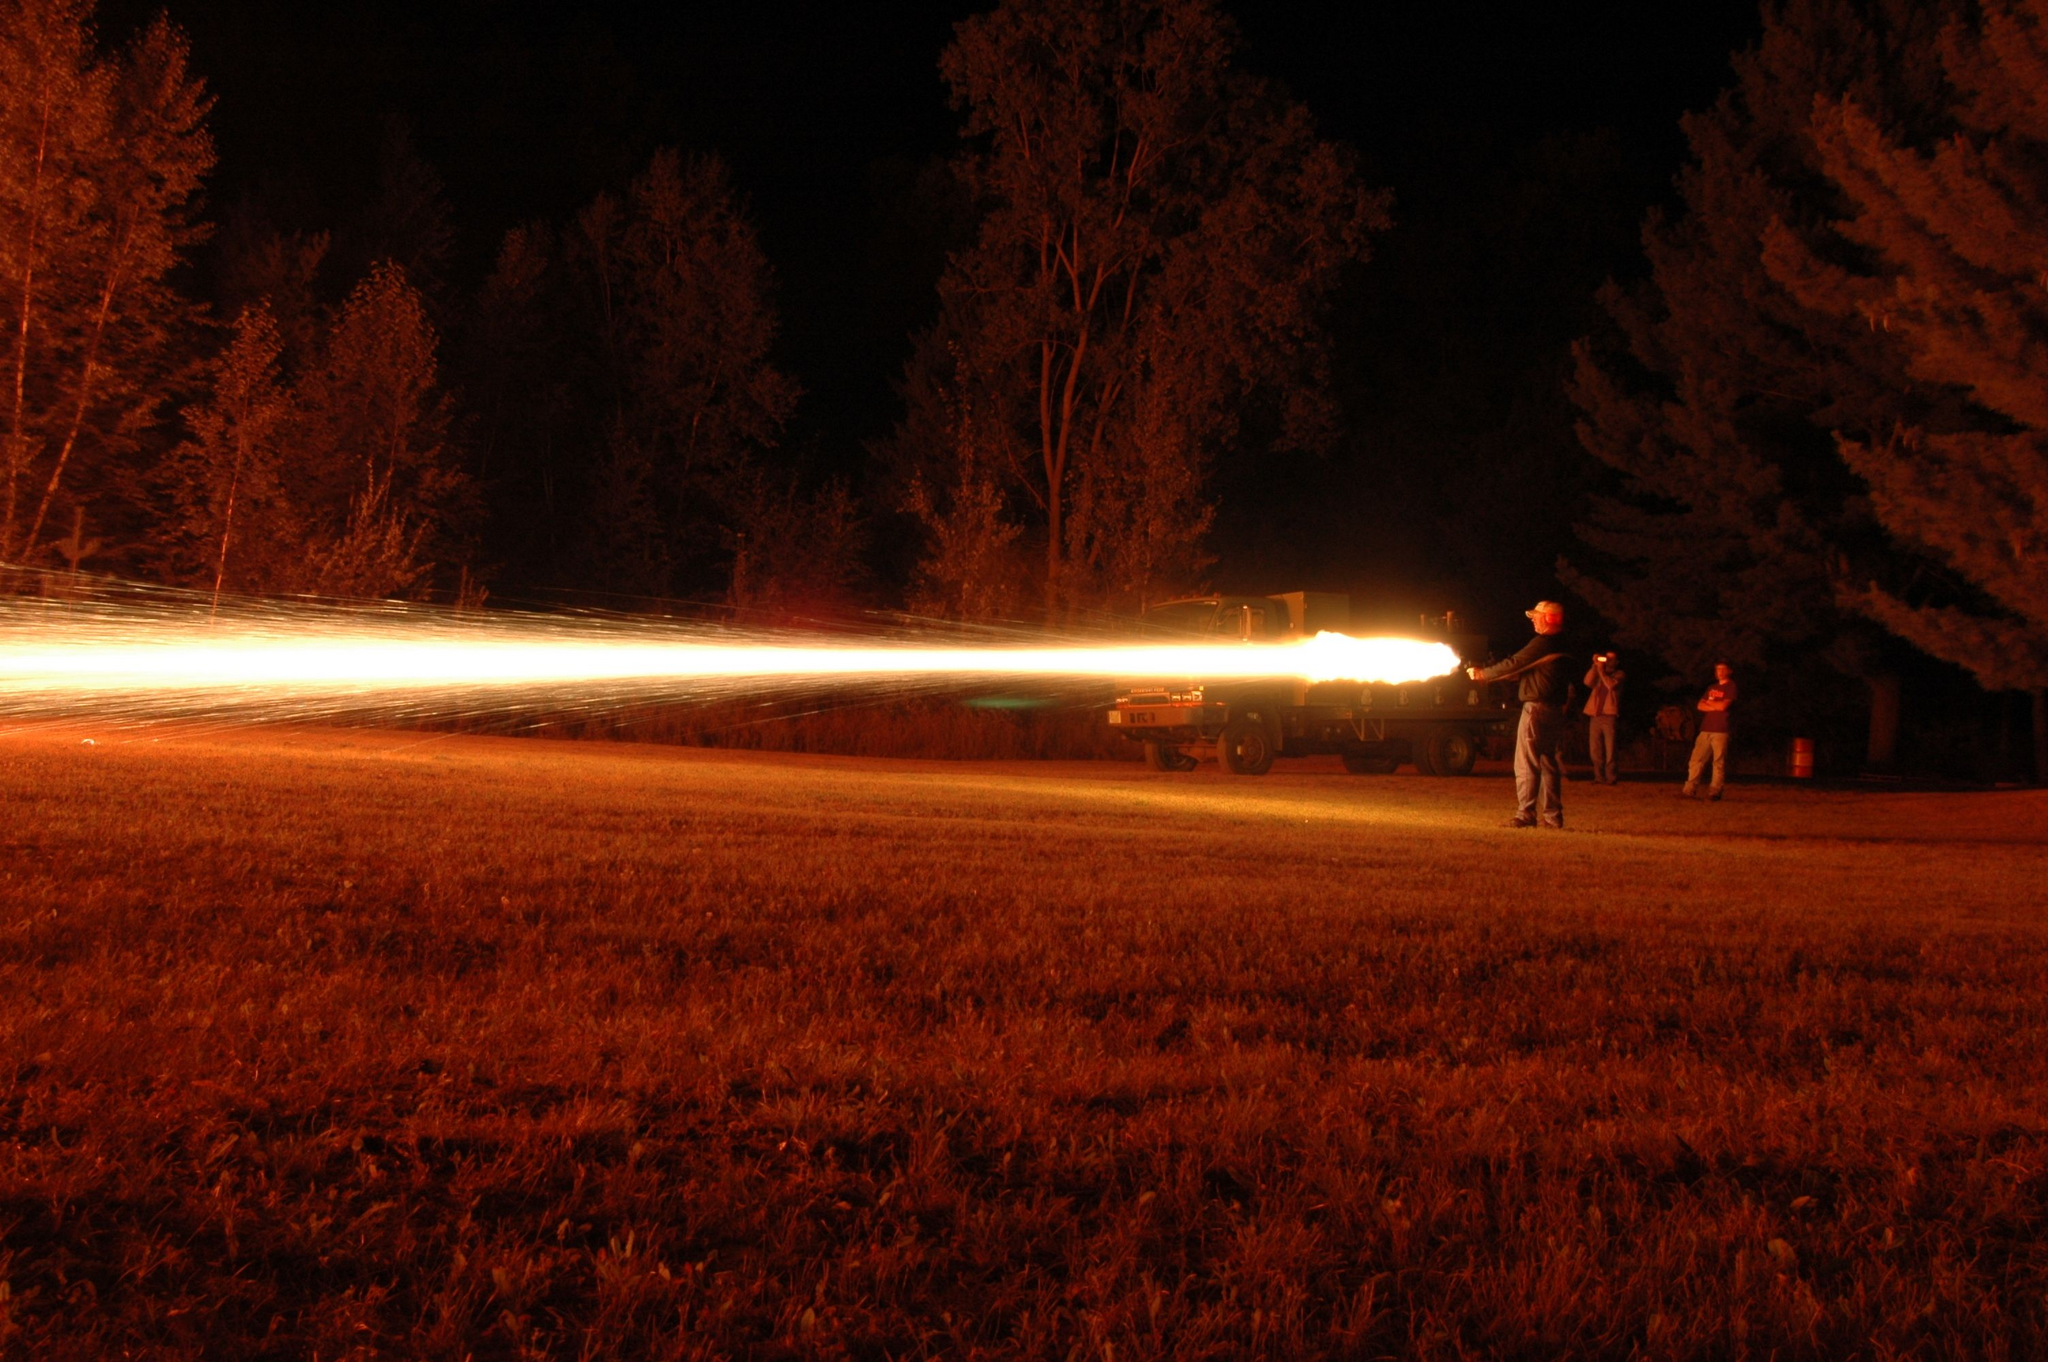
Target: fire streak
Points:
(59, 659)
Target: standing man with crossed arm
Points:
(1712, 744)
(1542, 667)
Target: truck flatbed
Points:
(1439, 726)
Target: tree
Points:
(974, 566)
(1953, 233)
(100, 160)
(795, 551)
(1158, 235)
(1449, 363)
(320, 463)
(673, 292)
(380, 487)
(406, 219)
(1732, 516)
(260, 266)
(516, 366)
(628, 405)
(231, 526)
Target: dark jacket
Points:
(1544, 668)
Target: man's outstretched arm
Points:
(1533, 649)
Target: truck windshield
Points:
(1182, 618)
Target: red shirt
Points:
(1716, 720)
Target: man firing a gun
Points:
(1542, 670)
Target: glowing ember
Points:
(52, 659)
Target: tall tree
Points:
(259, 266)
(230, 525)
(405, 218)
(377, 479)
(1716, 405)
(523, 381)
(1158, 235)
(674, 294)
(1462, 431)
(1953, 235)
(101, 157)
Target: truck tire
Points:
(1246, 748)
(1363, 764)
(1166, 757)
(1450, 753)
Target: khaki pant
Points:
(1708, 747)
(1600, 747)
(1539, 774)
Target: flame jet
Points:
(62, 659)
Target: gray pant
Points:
(1600, 746)
(1708, 746)
(1539, 774)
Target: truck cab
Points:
(1252, 619)
(1244, 726)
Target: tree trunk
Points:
(2040, 735)
(115, 266)
(1053, 530)
(1882, 754)
(17, 439)
(220, 570)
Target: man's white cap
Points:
(1546, 608)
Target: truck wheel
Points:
(1165, 757)
(1361, 764)
(1246, 748)
(1450, 754)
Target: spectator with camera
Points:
(1603, 710)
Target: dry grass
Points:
(357, 1045)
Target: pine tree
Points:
(100, 160)
(628, 406)
(231, 526)
(280, 272)
(407, 218)
(673, 293)
(1158, 236)
(381, 489)
(959, 485)
(1733, 516)
(1954, 233)
(517, 366)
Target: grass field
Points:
(361, 1045)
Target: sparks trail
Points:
(150, 652)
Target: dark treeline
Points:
(1135, 300)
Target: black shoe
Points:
(1519, 823)
(1714, 798)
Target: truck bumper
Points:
(1140, 718)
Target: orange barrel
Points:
(1802, 759)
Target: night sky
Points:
(1522, 143)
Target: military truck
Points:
(1439, 726)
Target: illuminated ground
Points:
(329, 1043)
